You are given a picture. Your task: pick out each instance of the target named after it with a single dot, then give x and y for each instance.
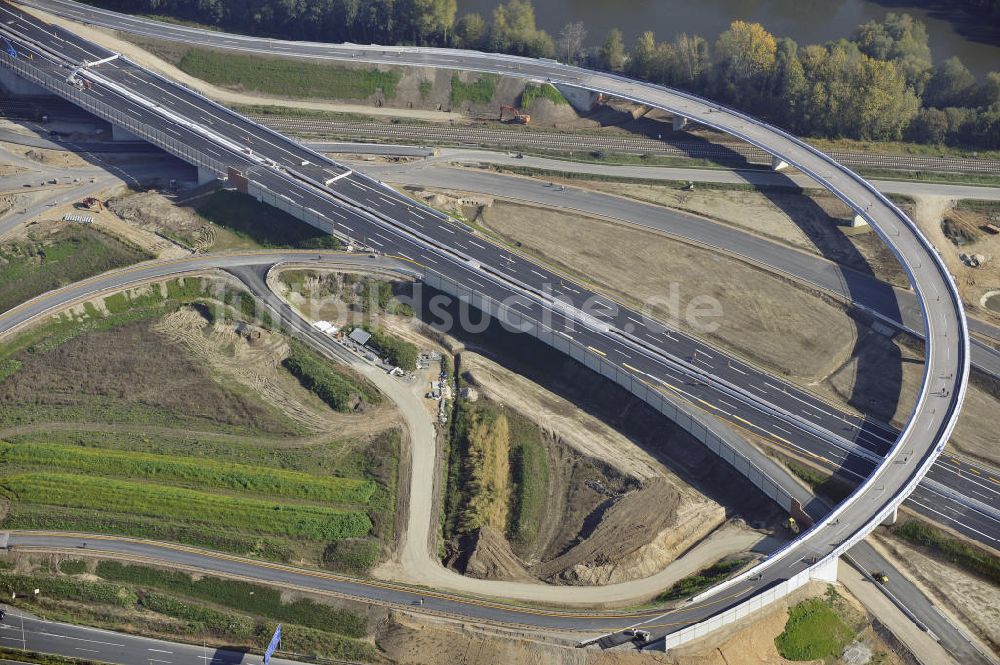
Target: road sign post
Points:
(273, 646)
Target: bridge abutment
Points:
(680, 122)
(16, 85)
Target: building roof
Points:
(360, 336)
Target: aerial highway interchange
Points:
(372, 215)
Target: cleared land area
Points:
(764, 318)
(160, 412)
(45, 261)
(179, 606)
(812, 222)
(219, 221)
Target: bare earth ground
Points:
(766, 319)
(256, 366)
(973, 283)
(973, 601)
(620, 556)
(808, 221)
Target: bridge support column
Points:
(16, 85)
(680, 122)
(778, 164)
(858, 221)
(825, 573)
(206, 175)
(581, 99)
(120, 134)
(891, 519)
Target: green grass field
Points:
(530, 472)
(111, 438)
(286, 77)
(337, 389)
(32, 267)
(815, 630)
(107, 495)
(959, 552)
(193, 471)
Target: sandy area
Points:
(764, 318)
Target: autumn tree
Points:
(612, 53)
(570, 43)
(471, 31)
(951, 84)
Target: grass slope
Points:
(286, 77)
(32, 267)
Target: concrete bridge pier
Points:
(891, 519)
(778, 164)
(858, 221)
(581, 99)
(206, 175)
(122, 134)
(680, 122)
(826, 572)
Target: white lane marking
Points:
(950, 518)
(160, 651)
(445, 228)
(477, 244)
(539, 274)
(80, 639)
(89, 650)
(375, 242)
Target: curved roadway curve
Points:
(946, 368)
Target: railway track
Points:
(726, 151)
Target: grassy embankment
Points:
(533, 92)
(107, 437)
(818, 628)
(963, 554)
(825, 485)
(709, 577)
(286, 77)
(340, 391)
(174, 605)
(497, 474)
(32, 267)
(480, 91)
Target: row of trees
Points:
(879, 84)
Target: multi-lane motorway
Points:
(360, 208)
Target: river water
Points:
(952, 32)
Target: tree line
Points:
(878, 84)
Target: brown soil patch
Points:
(605, 524)
(131, 365)
(813, 222)
(256, 366)
(764, 318)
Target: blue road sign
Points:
(272, 647)
(7, 46)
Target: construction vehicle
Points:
(517, 115)
(92, 203)
(881, 577)
(638, 635)
(792, 525)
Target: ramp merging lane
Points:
(357, 207)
